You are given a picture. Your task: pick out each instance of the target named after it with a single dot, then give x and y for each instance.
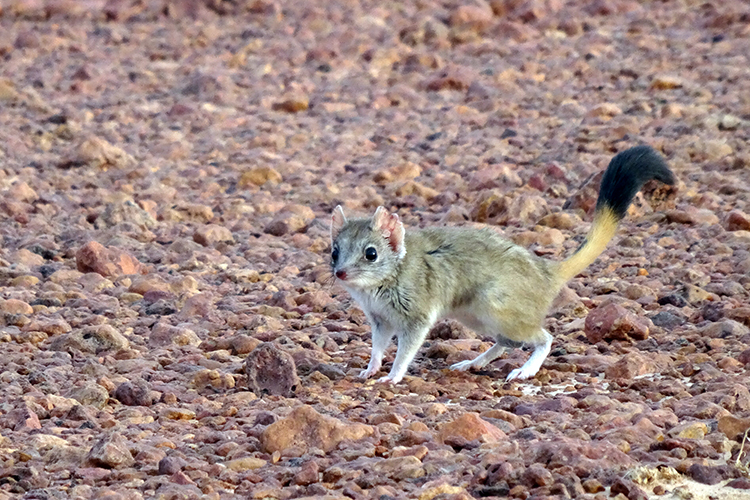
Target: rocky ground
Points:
(170, 329)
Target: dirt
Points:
(168, 170)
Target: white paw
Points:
(365, 374)
(463, 366)
(389, 379)
(520, 374)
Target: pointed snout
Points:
(341, 274)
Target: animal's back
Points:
(459, 267)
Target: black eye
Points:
(371, 254)
(335, 255)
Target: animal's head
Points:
(364, 252)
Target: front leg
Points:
(381, 337)
(409, 343)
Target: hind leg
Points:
(534, 363)
(480, 361)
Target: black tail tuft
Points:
(625, 175)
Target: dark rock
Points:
(629, 489)
(308, 474)
(668, 320)
(160, 308)
(171, 465)
(707, 474)
(331, 371)
(674, 299)
(537, 475)
(615, 322)
(741, 483)
(134, 393)
(271, 371)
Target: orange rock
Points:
(94, 257)
(470, 427)
(15, 306)
(306, 428)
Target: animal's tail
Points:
(625, 175)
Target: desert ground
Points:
(169, 327)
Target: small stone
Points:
(135, 393)
(164, 334)
(614, 322)
(537, 475)
(213, 379)
(593, 486)
(178, 414)
(629, 489)
(561, 220)
(92, 339)
(470, 427)
(452, 77)
(212, 234)
(428, 493)
(306, 428)
(148, 283)
(737, 221)
(91, 394)
(286, 223)
(733, 427)
(50, 326)
(729, 122)
(726, 328)
(27, 40)
(741, 483)
(400, 468)
(666, 82)
(472, 17)
(406, 171)
(495, 176)
(629, 366)
(585, 196)
(690, 430)
(317, 301)
(244, 344)
(94, 257)
(125, 212)
(110, 452)
(22, 419)
(21, 191)
(667, 319)
(707, 474)
(379, 418)
(712, 150)
(293, 103)
(744, 357)
(308, 474)
(200, 305)
(259, 176)
(8, 90)
(25, 281)
(15, 306)
(170, 465)
(408, 188)
(97, 152)
(245, 463)
(606, 109)
(271, 371)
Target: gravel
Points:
(168, 324)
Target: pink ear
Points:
(391, 228)
(337, 221)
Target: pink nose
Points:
(341, 274)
